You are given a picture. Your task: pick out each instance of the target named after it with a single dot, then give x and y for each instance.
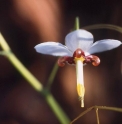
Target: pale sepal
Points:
(104, 45)
(53, 48)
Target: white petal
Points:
(104, 45)
(79, 39)
(53, 48)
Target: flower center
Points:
(79, 54)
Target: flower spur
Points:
(78, 50)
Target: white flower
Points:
(77, 39)
(78, 50)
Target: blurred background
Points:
(26, 23)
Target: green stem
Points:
(3, 53)
(4, 44)
(24, 72)
(34, 82)
(77, 23)
(52, 76)
(103, 26)
(58, 111)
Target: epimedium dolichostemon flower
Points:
(78, 49)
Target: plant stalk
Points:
(59, 113)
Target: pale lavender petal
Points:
(53, 48)
(104, 45)
(79, 39)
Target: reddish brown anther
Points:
(70, 60)
(92, 58)
(63, 60)
(78, 53)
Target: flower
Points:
(78, 50)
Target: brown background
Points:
(25, 23)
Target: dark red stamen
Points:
(63, 60)
(92, 58)
(79, 53)
(70, 60)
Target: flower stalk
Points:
(36, 84)
(77, 24)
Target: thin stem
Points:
(97, 116)
(77, 23)
(103, 26)
(3, 53)
(60, 114)
(58, 111)
(52, 76)
(96, 107)
(109, 108)
(24, 72)
(4, 44)
(83, 113)
(19, 66)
